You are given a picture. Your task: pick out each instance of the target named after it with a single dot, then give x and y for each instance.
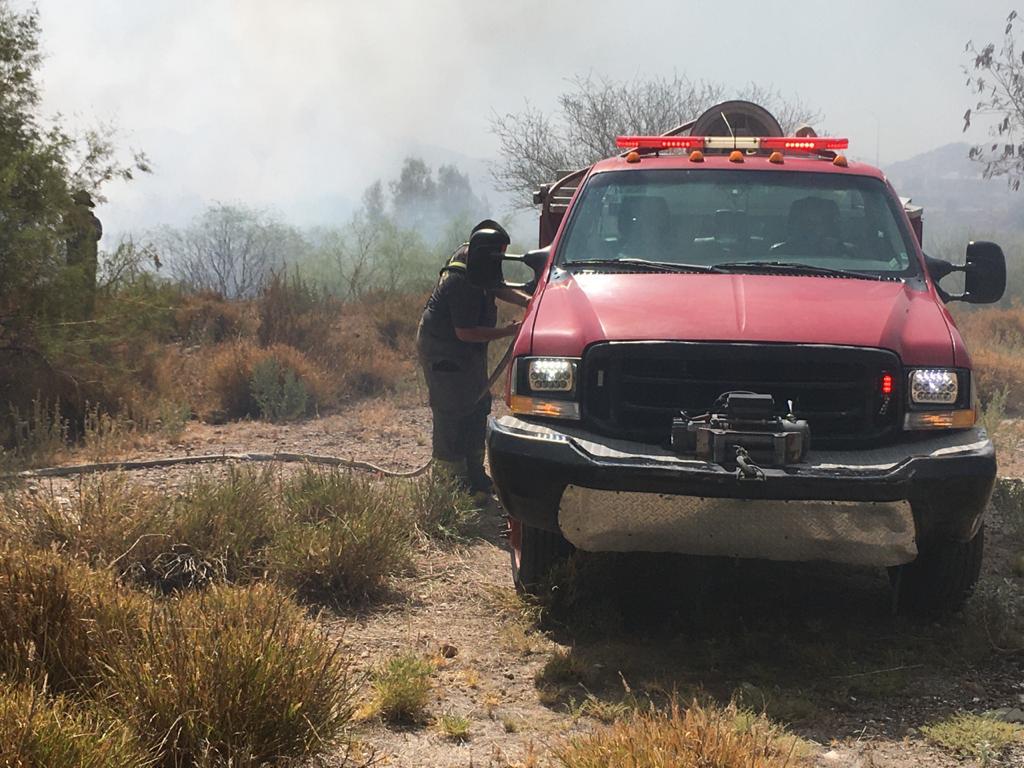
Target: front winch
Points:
(746, 424)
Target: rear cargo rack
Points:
(554, 198)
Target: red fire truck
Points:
(736, 347)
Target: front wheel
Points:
(535, 552)
(941, 578)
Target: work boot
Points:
(479, 481)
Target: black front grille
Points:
(634, 389)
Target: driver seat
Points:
(812, 227)
(645, 227)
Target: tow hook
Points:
(746, 468)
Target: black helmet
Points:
(483, 260)
(492, 224)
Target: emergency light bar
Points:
(784, 143)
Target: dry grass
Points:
(367, 346)
(59, 620)
(206, 318)
(238, 672)
(974, 736)
(58, 733)
(602, 709)
(217, 529)
(152, 361)
(37, 436)
(363, 366)
(995, 338)
(232, 673)
(333, 536)
(294, 312)
(700, 735)
(562, 668)
(227, 375)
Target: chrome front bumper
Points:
(864, 533)
(870, 506)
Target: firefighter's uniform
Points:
(456, 370)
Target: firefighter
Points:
(84, 231)
(459, 320)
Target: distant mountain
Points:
(954, 194)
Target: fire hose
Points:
(281, 457)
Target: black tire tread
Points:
(942, 577)
(540, 551)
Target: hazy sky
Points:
(299, 104)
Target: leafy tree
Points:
(427, 204)
(996, 77)
(414, 186)
(536, 146)
(41, 165)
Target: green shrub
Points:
(278, 393)
(220, 529)
(231, 386)
(1008, 498)
(454, 727)
(401, 688)
(977, 736)
(232, 673)
(348, 535)
(57, 733)
(441, 509)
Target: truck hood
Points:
(577, 310)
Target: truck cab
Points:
(736, 347)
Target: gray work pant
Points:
(456, 375)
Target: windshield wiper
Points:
(793, 266)
(632, 263)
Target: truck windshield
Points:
(707, 218)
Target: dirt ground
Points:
(815, 645)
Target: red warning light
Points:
(886, 383)
(660, 142)
(804, 143)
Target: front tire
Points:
(534, 552)
(941, 578)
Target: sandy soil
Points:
(815, 644)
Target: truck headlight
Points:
(552, 374)
(545, 386)
(934, 386)
(939, 398)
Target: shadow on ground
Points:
(814, 645)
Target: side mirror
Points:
(985, 281)
(536, 261)
(984, 274)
